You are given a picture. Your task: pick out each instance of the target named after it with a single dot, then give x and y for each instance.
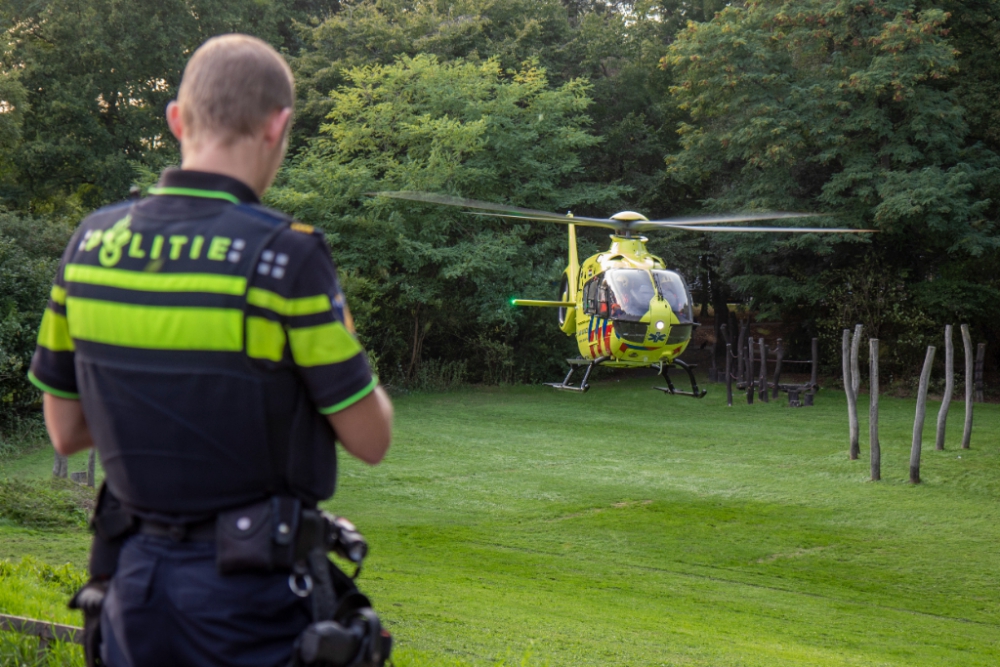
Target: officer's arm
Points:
(365, 428)
(66, 425)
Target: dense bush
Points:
(29, 254)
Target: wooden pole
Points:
(741, 346)
(729, 374)
(874, 447)
(980, 359)
(762, 388)
(60, 466)
(855, 368)
(780, 355)
(90, 467)
(852, 405)
(918, 421)
(814, 379)
(749, 369)
(967, 343)
(949, 387)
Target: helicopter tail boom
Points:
(542, 304)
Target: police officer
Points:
(201, 342)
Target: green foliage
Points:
(29, 254)
(841, 107)
(89, 81)
(51, 503)
(423, 281)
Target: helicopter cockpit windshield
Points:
(631, 292)
(675, 291)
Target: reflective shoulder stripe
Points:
(323, 344)
(307, 305)
(51, 390)
(155, 327)
(348, 402)
(155, 282)
(53, 334)
(195, 192)
(265, 339)
(58, 294)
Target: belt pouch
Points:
(243, 539)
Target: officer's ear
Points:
(276, 127)
(174, 120)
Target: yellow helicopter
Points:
(625, 307)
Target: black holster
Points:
(111, 525)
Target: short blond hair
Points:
(230, 86)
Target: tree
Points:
(429, 281)
(95, 77)
(842, 107)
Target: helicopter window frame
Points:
(685, 313)
(593, 295)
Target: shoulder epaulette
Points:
(300, 227)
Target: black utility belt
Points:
(274, 535)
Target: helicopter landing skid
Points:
(669, 389)
(573, 363)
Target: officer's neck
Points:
(249, 160)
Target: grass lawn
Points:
(624, 527)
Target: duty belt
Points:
(203, 531)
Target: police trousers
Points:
(168, 605)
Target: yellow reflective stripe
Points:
(265, 339)
(306, 305)
(156, 282)
(155, 327)
(322, 344)
(58, 294)
(53, 334)
(348, 402)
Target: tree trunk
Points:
(855, 367)
(875, 448)
(852, 404)
(779, 356)
(729, 375)
(949, 387)
(980, 360)
(90, 467)
(967, 342)
(918, 420)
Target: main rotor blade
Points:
(792, 230)
(721, 219)
(561, 219)
(511, 211)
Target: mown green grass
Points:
(624, 527)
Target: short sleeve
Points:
(52, 366)
(296, 287)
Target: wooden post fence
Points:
(741, 346)
(779, 354)
(749, 378)
(814, 378)
(918, 421)
(60, 466)
(949, 388)
(852, 405)
(855, 368)
(91, 464)
(980, 360)
(874, 447)
(762, 388)
(967, 344)
(729, 374)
